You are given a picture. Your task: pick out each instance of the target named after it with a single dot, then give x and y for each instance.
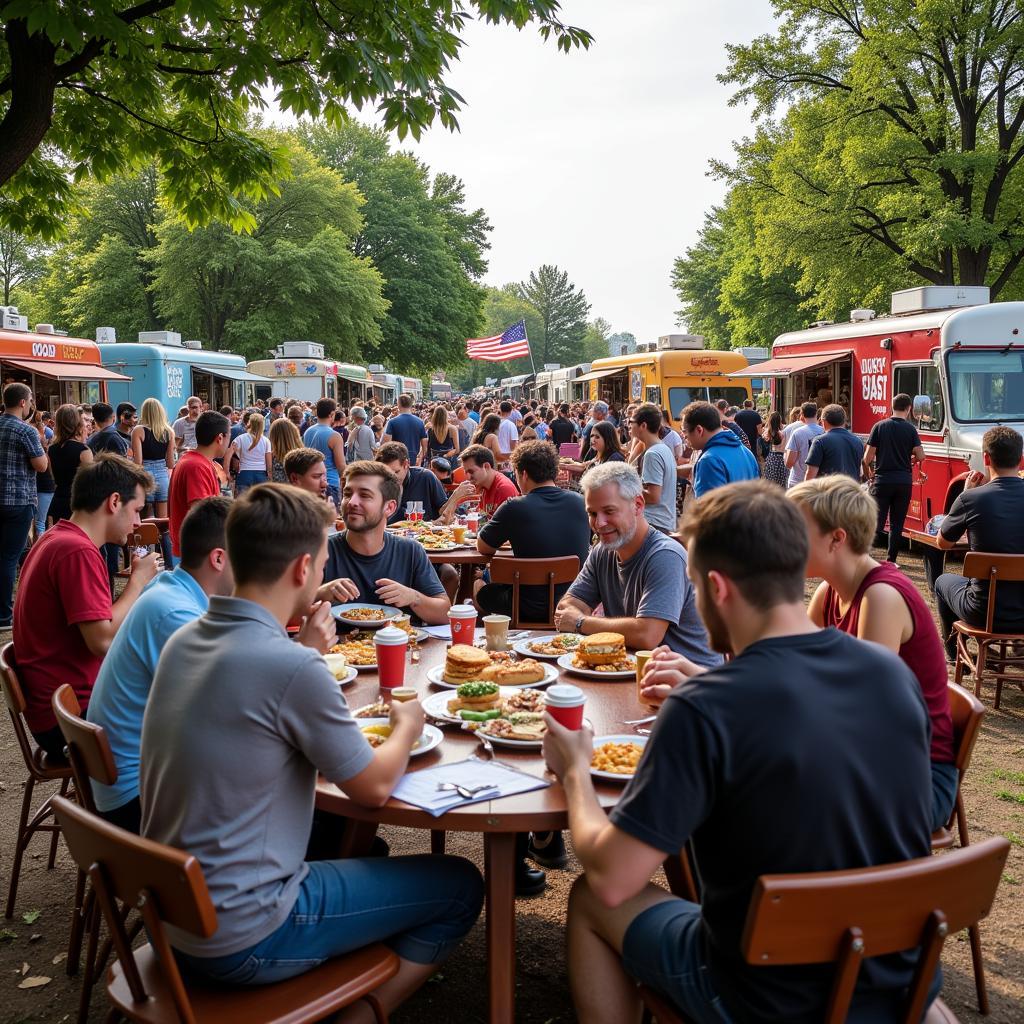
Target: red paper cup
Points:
(462, 619)
(565, 702)
(391, 645)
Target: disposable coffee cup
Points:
(462, 619)
(391, 644)
(642, 657)
(496, 630)
(564, 702)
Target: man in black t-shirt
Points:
(892, 445)
(837, 450)
(749, 419)
(563, 430)
(991, 514)
(809, 751)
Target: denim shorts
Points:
(249, 478)
(421, 907)
(157, 468)
(664, 949)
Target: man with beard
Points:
(636, 573)
(366, 563)
(800, 718)
(306, 469)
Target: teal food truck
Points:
(163, 367)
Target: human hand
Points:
(565, 618)
(565, 748)
(318, 629)
(338, 592)
(146, 567)
(408, 715)
(396, 594)
(974, 479)
(464, 490)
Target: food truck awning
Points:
(66, 370)
(235, 373)
(598, 374)
(354, 375)
(785, 365)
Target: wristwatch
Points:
(579, 622)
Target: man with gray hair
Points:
(598, 412)
(361, 442)
(636, 573)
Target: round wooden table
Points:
(608, 705)
(465, 559)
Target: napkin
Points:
(420, 788)
(444, 632)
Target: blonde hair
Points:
(439, 423)
(284, 437)
(255, 429)
(839, 503)
(154, 416)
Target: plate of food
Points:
(378, 709)
(465, 664)
(515, 729)
(616, 757)
(437, 542)
(377, 730)
(552, 646)
(481, 701)
(340, 668)
(600, 656)
(360, 653)
(366, 616)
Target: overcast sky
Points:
(597, 160)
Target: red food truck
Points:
(960, 357)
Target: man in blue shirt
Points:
(407, 429)
(122, 687)
(837, 450)
(327, 441)
(723, 458)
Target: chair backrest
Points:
(164, 884)
(87, 745)
(967, 712)
(844, 916)
(14, 698)
(569, 450)
(985, 565)
(145, 535)
(534, 572)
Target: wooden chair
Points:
(167, 886)
(841, 917)
(40, 770)
(91, 759)
(993, 657)
(534, 572)
(147, 535)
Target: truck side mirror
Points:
(922, 407)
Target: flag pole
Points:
(530, 347)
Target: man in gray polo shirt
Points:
(659, 468)
(636, 573)
(240, 719)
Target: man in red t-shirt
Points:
(194, 476)
(64, 620)
(493, 487)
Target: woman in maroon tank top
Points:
(876, 601)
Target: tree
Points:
(901, 148)
(98, 89)
(420, 236)
(563, 315)
(596, 341)
(21, 262)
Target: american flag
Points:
(513, 344)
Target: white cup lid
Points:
(564, 695)
(391, 636)
(462, 611)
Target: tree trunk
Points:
(33, 83)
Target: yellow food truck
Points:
(671, 372)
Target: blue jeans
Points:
(15, 523)
(945, 780)
(421, 907)
(249, 478)
(334, 492)
(45, 498)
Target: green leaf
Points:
(31, 916)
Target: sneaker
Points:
(548, 849)
(529, 881)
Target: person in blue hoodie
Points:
(723, 457)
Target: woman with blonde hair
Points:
(152, 443)
(284, 438)
(67, 452)
(254, 458)
(442, 440)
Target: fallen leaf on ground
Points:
(35, 938)
(35, 982)
(60, 958)
(31, 916)
(25, 968)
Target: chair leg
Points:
(56, 831)
(437, 840)
(77, 926)
(93, 968)
(961, 821)
(19, 846)
(378, 1011)
(974, 935)
(980, 669)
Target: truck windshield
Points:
(986, 387)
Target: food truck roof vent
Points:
(859, 316)
(668, 342)
(106, 335)
(45, 329)
(160, 338)
(375, 368)
(300, 349)
(930, 297)
(192, 343)
(11, 319)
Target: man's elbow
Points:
(610, 892)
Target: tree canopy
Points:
(562, 310)
(97, 89)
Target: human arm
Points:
(337, 449)
(816, 607)
(421, 459)
(812, 463)
(373, 786)
(918, 454)
(337, 591)
(433, 610)
(867, 465)
(810, 472)
(233, 449)
(99, 633)
(954, 525)
(137, 433)
(268, 456)
(86, 457)
(884, 617)
(664, 671)
(495, 531)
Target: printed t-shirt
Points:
(651, 585)
(500, 491)
(193, 478)
(894, 441)
(409, 430)
(64, 581)
(420, 485)
(804, 753)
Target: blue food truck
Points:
(162, 367)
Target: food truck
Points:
(671, 372)
(57, 368)
(160, 365)
(518, 388)
(958, 356)
(299, 370)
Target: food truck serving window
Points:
(986, 387)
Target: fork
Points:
(467, 792)
(485, 746)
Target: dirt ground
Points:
(32, 945)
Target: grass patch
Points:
(1011, 879)
(1013, 798)
(1005, 775)
(1015, 839)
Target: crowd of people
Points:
(219, 723)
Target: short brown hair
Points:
(726, 530)
(108, 474)
(701, 414)
(393, 451)
(270, 526)
(834, 415)
(390, 488)
(1003, 447)
(301, 460)
(648, 415)
(15, 393)
(838, 502)
(67, 421)
(325, 407)
(537, 459)
(480, 454)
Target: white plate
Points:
(350, 674)
(506, 742)
(523, 646)
(440, 548)
(429, 738)
(600, 741)
(436, 676)
(436, 704)
(338, 611)
(565, 661)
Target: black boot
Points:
(548, 849)
(530, 881)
